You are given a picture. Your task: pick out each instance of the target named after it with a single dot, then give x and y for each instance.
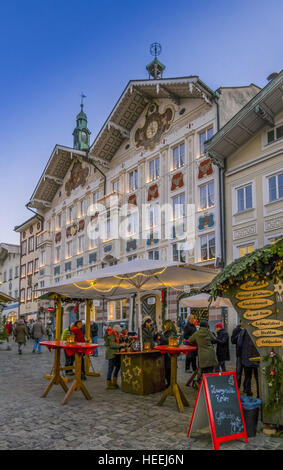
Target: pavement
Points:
(112, 420)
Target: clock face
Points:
(152, 129)
(84, 137)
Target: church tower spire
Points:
(81, 132)
(155, 68)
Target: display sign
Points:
(151, 300)
(96, 303)
(218, 405)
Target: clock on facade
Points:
(155, 125)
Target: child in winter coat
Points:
(113, 345)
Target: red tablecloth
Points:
(175, 350)
(81, 348)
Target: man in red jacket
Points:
(76, 329)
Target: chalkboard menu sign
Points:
(218, 404)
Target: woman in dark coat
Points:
(189, 330)
(222, 347)
(163, 338)
(248, 350)
(148, 333)
(206, 352)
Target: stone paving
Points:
(112, 420)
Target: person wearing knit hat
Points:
(222, 347)
(113, 345)
(148, 333)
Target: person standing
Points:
(20, 333)
(38, 331)
(163, 338)
(148, 332)
(49, 330)
(222, 347)
(94, 335)
(69, 359)
(113, 345)
(248, 350)
(76, 329)
(239, 365)
(206, 353)
(191, 357)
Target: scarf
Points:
(110, 331)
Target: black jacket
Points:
(189, 330)
(247, 349)
(234, 339)
(93, 329)
(222, 346)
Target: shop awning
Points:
(130, 277)
(202, 301)
(4, 298)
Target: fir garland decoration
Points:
(163, 308)
(274, 379)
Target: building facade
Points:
(249, 149)
(143, 189)
(9, 277)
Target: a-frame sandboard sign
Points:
(218, 405)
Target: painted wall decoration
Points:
(81, 225)
(69, 231)
(107, 248)
(152, 192)
(132, 199)
(177, 181)
(205, 168)
(77, 178)
(155, 125)
(58, 237)
(131, 245)
(206, 221)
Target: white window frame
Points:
(69, 249)
(207, 235)
(116, 185)
(243, 188)
(153, 253)
(81, 244)
(180, 163)
(275, 140)
(206, 186)
(57, 254)
(156, 175)
(204, 131)
(237, 246)
(133, 180)
(275, 175)
(114, 304)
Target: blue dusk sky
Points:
(52, 50)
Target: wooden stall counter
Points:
(142, 372)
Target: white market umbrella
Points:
(202, 301)
(133, 277)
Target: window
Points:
(69, 249)
(16, 294)
(82, 208)
(178, 255)
(36, 265)
(81, 244)
(244, 198)
(23, 295)
(24, 247)
(116, 186)
(206, 196)
(35, 292)
(207, 247)
(41, 284)
(275, 134)
(80, 262)
(42, 258)
(116, 310)
(153, 216)
(153, 254)
(203, 136)
(133, 180)
(70, 215)
(4, 276)
(10, 274)
(131, 224)
(245, 250)
(57, 254)
(178, 156)
(58, 221)
(154, 169)
(29, 293)
(108, 227)
(95, 197)
(275, 187)
(68, 266)
(30, 267)
(17, 271)
(23, 270)
(132, 257)
(179, 214)
(56, 270)
(31, 244)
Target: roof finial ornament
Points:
(155, 68)
(82, 100)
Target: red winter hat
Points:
(219, 325)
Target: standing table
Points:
(78, 349)
(174, 388)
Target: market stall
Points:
(254, 285)
(127, 278)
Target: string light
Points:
(140, 274)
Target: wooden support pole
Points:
(58, 318)
(88, 338)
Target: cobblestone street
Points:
(112, 420)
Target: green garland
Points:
(163, 308)
(273, 371)
(3, 330)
